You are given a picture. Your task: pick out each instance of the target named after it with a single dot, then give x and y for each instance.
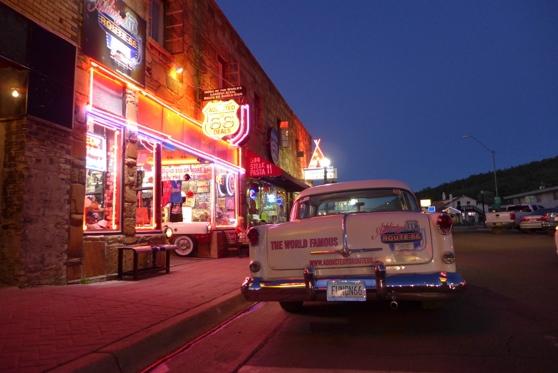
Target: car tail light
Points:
(524, 219)
(444, 222)
(253, 236)
(512, 215)
(545, 217)
(255, 266)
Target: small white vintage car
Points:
(354, 241)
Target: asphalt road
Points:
(506, 321)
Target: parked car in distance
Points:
(354, 241)
(540, 220)
(509, 216)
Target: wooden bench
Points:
(145, 249)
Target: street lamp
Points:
(325, 164)
(493, 153)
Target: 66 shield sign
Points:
(220, 118)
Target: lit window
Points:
(102, 206)
(186, 182)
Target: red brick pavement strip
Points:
(116, 325)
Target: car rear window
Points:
(355, 201)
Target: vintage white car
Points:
(354, 241)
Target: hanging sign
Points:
(320, 173)
(115, 35)
(220, 119)
(223, 93)
(96, 158)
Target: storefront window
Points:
(225, 197)
(266, 204)
(146, 184)
(186, 187)
(102, 207)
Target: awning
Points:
(257, 167)
(286, 181)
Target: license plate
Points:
(346, 291)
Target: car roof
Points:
(355, 185)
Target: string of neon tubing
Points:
(169, 139)
(115, 170)
(243, 109)
(234, 142)
(164, 138)
(154, 98)
(114, 126)
(243, 128)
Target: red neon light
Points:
(147, 94)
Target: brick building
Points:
(119, 119)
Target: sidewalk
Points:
(117, 326)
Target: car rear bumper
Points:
(424, 286)
(500, 225)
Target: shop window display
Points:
(103, 179)
(146, 177)
(225, 201)
(266, 204)
(186, 188)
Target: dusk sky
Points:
(391, 87)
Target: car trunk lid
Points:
(351, 240)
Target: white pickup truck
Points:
(509, 216)
(354, 241)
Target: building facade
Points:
(120, 119)
(547, 197)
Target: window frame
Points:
(118, 194)
(159, 37)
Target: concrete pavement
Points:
(117, 326)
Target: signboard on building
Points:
(223, 93)
(257, 166)
(220, 118)
(115, 35)
(318, 173)
(96, 158)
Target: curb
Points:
(139, 350)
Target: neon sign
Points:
(220, 118)
(115, 35)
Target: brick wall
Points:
(59, 16)
(35, 203)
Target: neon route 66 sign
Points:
(220, 118)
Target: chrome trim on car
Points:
(346, 252)
(422, 286)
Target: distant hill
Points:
(512, 180)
